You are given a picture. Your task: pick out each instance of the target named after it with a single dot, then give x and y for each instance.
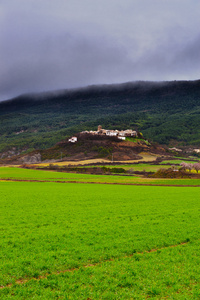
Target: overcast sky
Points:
(58, 44)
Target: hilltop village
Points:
(120, 134)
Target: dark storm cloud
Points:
(50, 45)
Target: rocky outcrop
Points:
(9, 153)
(31, 159)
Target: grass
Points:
(143, 167)
(40, 175)
(138, 277)
(176, 161)
(92, 241)
(136, 140)
(49, 227)
(28, 174)
(136, 167)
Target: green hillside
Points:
(163, 111)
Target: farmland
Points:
(98, 241)
(13, 173)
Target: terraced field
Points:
(97, 241)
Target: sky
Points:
(49, 45)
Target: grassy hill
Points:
(166, 112)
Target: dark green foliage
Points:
(102, 150)
(114, 170)
(163, 112)
(89, 170)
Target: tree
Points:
(186, 166)
(183, 165)
(196, 166)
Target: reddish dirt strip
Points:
(22, 281)
(92, 182)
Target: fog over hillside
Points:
(105, 89)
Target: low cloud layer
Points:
(51, 45)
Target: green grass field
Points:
(105, 235)
(143, 276)
(40, 175)
(177, 161)
(28, 174)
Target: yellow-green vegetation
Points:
(91, 241)
(145, 157)
(13, 173)
(176, 161)
(40, 175)
(138, 167)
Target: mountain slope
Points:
(163, 111)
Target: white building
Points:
(112, 132)
(73, 139)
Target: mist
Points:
(47, 46)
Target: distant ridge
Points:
(105, 88)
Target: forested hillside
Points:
(164, 111)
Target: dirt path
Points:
(145, 157)
(92, 182)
